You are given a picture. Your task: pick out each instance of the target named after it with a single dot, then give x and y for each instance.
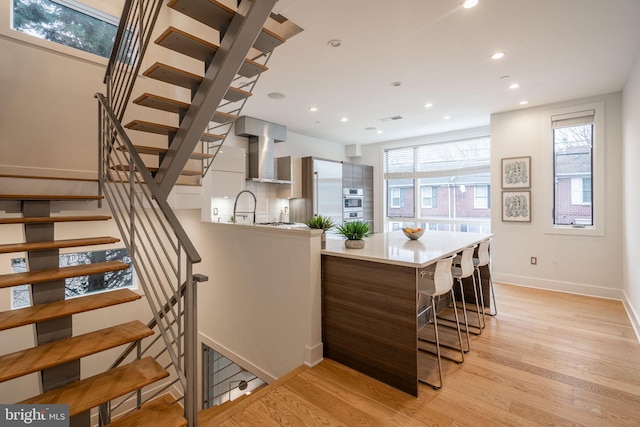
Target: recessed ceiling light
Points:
(446, 117)
(313, 108)
(428, 105)
(344, 119)
(276, 95)
(514, 86)
(497, 55)
(524, 102)
(468, 4)
(334, 43)
(379, 131)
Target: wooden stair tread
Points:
(91, 392)
(173, 106)
(160, 411)
(195, 47)
(42, 312)
(39, 276)
(178, 77)
(65, 350)
(143, 149)
(47, 197)
(51, 219)
(162, 129)
(218, 16)
(185, 172)
(56, 244)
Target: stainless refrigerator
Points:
(321, 191)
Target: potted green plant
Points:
(323, 223)
(354, 231)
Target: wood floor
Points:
(546, 359)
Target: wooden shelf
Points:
(65, 350)
(54, 310)
(94, 391)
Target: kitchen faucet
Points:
(253, 212)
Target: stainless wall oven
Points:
(352, 204)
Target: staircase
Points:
(58, 350)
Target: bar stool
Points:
(431, 285)
(484, 259)
(461, 271)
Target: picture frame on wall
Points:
(516, 172)
(516, 206)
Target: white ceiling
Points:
(555, 49)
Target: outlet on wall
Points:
(534, 260)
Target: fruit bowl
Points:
(413, 233)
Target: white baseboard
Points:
(633, 315)
(554, 285)
(313, 355)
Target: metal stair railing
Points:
(230, 107)
(161, 252)
(132, 39)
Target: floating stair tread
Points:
(56, 244)
(195, 47)
(218, 16)
(185, 172)
(51, 219)
(54, 310)
(172, 106)
(91, 392)
(47, 197)
(65, 350)
(143, 149)
(48, 275)
(178, 77)
(161, 411)
(161, 129)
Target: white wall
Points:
(579, 264)
(631, 178)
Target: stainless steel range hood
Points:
(261, 152)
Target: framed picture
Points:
(516, 206)
(516, 172)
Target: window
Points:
(430, 197)
(445, 176)
(481, 197)
(396, 198)
(574, 184)
(76, 286)
(67, 22)
(573, 168)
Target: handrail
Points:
(161, 252)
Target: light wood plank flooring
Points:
(547, 359)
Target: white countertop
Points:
(395, 248)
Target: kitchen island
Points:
(369, 314)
